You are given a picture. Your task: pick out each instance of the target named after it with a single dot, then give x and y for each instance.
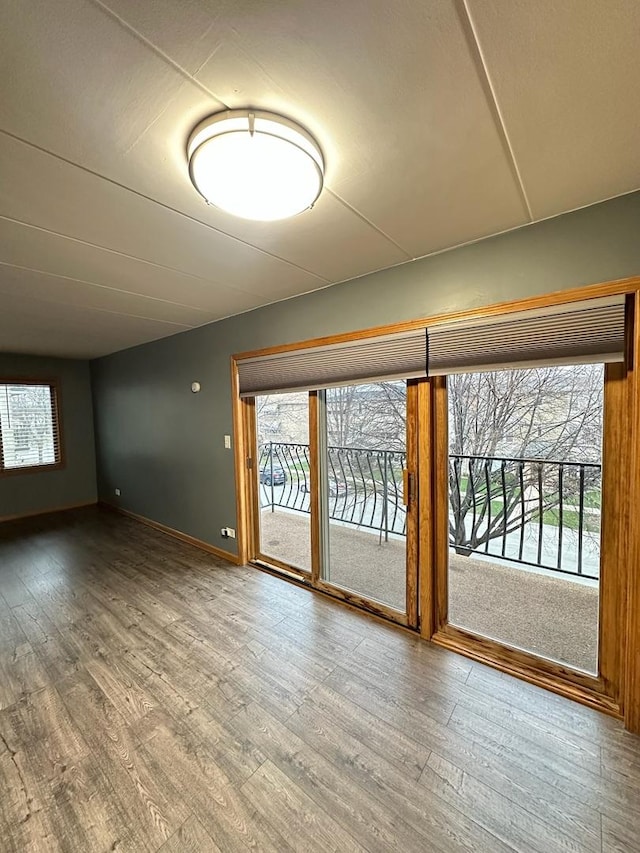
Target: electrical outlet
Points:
(227, 442)
(231, 533)
(117, 493)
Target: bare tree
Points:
(513, 436)
(505, 428)
(368, 416)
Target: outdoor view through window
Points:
(27, 429)
(365, 457)
(363, 435)
(524, 508)
(282, 422)
(524, 476)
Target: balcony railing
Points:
(535, 512)
(364, 486)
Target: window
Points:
(29, 426)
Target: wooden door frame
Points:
(625, 527)
(410, 618)
(248, 513)
(619, 569)
(600, 691)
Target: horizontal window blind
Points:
(29, 426)
(588, 331)
(398, 356)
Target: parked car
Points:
(277, 472)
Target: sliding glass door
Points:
(332, 492)
(283, 480)
(509, 442)
(364, 491)
(525, 500)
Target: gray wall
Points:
(32, 492)
(163, 446)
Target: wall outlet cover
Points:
(117, 493)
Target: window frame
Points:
(618, 690)
(56, 407)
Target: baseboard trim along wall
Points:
(177, 534)
(49, 511)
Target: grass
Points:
(571, 520)
(570, 517)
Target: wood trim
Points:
(330, 595)
(366, 604)
(242, 419)
(614, 523)
(440, 438)
(248, 494)
(411, 542)
(57, 420)
(280, 565)
(617, 689)
(426, 511)
(632, 621)
(251, 482)
(566, 682)
(176, 534)
(606, 690)
(560, 297)
(32, 469)
(316, 536)
(265, 561)
(49, 511)
(283, 571)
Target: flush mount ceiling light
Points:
(254, 164)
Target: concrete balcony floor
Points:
(554, 617)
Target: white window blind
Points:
(29, 426)
(592, 330)
(398, 356)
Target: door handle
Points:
(407, 487)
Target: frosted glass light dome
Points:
(256, 165)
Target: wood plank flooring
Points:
(153, 698)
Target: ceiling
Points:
(441, 122)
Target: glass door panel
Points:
(363, 457)
(282, 471)
(525, 462)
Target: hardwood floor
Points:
(153, 698)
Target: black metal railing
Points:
(538, 512)
(535, 512)
(364, 486)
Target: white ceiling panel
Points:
(393, 95)
(16, 281)
(184, 31)
(364, 248)
(33, 248)
(330, 241)
(440, 123)
(76, 82)
(567, 81)
(42, 190)
(42, 328)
